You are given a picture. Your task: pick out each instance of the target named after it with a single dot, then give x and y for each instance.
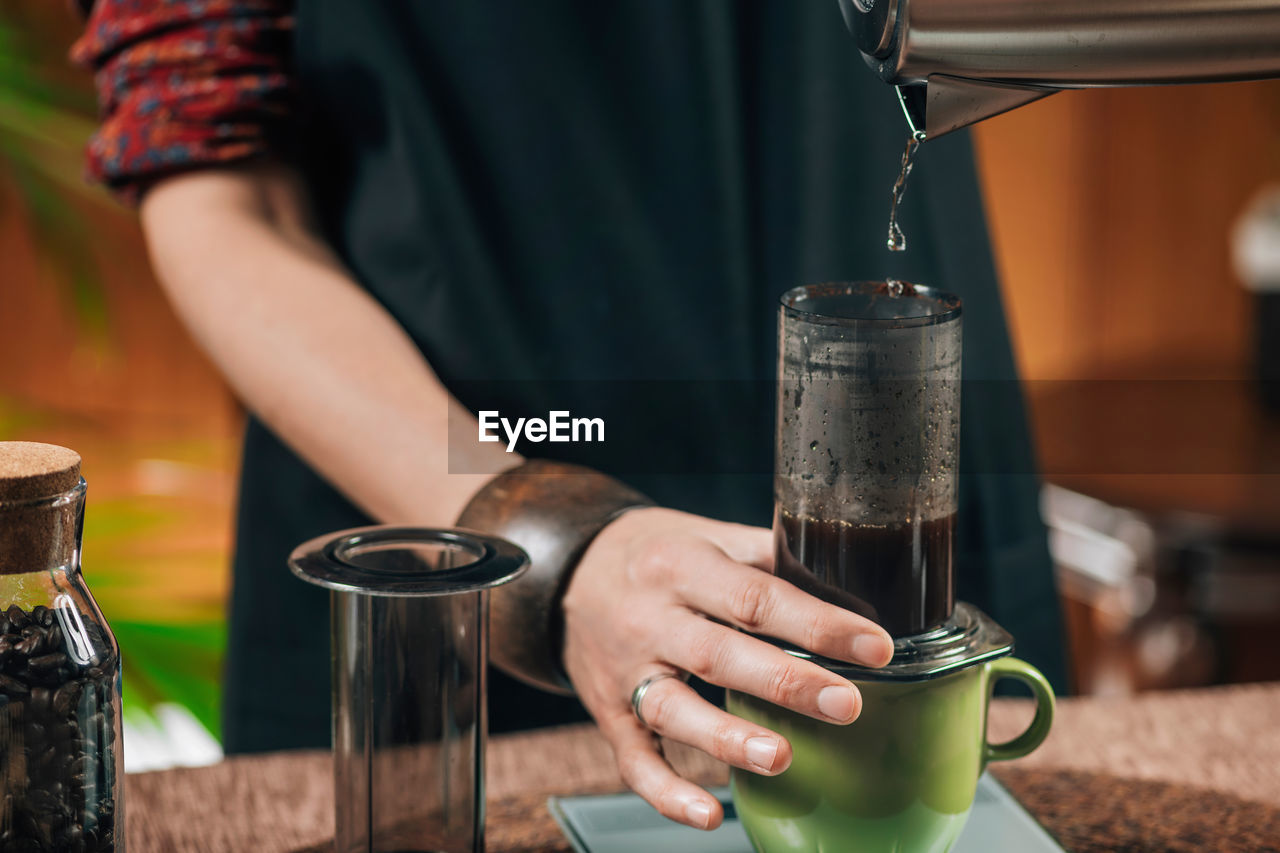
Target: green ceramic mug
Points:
(899, 779)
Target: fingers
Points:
(763, 604)
(646, 772)
(734, 660)
(751, 546)
(674, 710)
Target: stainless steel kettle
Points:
(956, 62)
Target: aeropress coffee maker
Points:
(409, 626)
(868, 429)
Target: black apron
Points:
(564, 192)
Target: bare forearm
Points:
(305, 347)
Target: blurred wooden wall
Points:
(138, 377)
(1110, 212)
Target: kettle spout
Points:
(945, 103)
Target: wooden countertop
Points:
(1188, 770)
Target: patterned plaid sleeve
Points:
(183, 84)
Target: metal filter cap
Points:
(969, 637)
(408, 561)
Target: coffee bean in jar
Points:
(61, 761)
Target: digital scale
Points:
(624, 823)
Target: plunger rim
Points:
(950, 306)
(330, 561)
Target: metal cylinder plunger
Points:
(409, 620)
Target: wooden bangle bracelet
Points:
(552, 510)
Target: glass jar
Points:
(61, 759)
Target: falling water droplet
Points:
(897, 240)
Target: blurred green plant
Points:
(44, 125)
(138, 553)
(138, 546)
(148, 559)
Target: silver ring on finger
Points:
(637, 695)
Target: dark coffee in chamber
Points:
(897, 574)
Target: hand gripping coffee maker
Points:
(956, 62)
(868, 429)
(865, 497)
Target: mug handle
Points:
(1039, 728)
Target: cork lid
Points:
(30, 470)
